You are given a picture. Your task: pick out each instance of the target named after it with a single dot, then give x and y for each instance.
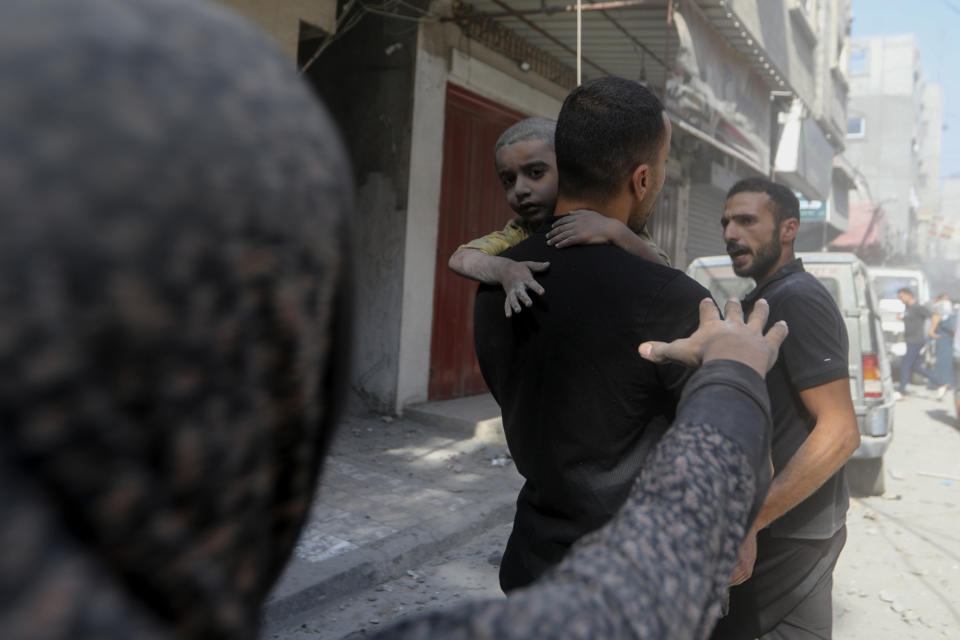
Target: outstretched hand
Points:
(729, 339)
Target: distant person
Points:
(956, 369)
(784, 578)
(915, 316)
(527, 167)
(581, 411)
(943, 323)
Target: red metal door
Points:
(471, 204)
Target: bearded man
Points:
(784, 577)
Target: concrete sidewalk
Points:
(395, 493)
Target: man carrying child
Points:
(527, 167)
(581, 409)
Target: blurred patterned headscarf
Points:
(173, 225)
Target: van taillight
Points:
(872, 385)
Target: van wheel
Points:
(865, 476)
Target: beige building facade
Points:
(420, 91)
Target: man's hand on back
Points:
(729, 339)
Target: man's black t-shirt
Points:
(581, 408)
(814, 353)
(913, 318)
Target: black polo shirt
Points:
(814, 353)
(581, 408)
(914, 318)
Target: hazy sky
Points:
(936, 24)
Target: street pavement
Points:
(898, 577)
(394, 494)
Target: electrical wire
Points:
(354, 12)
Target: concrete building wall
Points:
(951, 199)
(832, 83)
(931, 124)
(884, 152)
(781, 35)
(949, 248)
(886, 89)
(891, 62)
(281, 18)
(367, 81)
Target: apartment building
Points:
(893, 139)
(422, 90)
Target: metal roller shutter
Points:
(704, 233)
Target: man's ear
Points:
(640, 180)
(789, 229)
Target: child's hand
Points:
(516, 278)
(583, 227)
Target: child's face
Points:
(528, 173)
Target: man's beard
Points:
(764, 258)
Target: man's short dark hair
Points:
(907, 290)
(784, 203)
(607, 127)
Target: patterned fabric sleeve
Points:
(173, 316)
(661, 567)
(497, 242)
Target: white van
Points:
(886, 282)
(871, 386)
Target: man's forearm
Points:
(818, 458)
(933, 326)
(477, 265)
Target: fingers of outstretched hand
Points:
(652, 351)
(684, 351)
(708, 311)
(777, 334)
(733, 311)
(758, 316)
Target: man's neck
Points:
(786, 256)
(611, 209)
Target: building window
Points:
(856, 127)
(858, 61)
